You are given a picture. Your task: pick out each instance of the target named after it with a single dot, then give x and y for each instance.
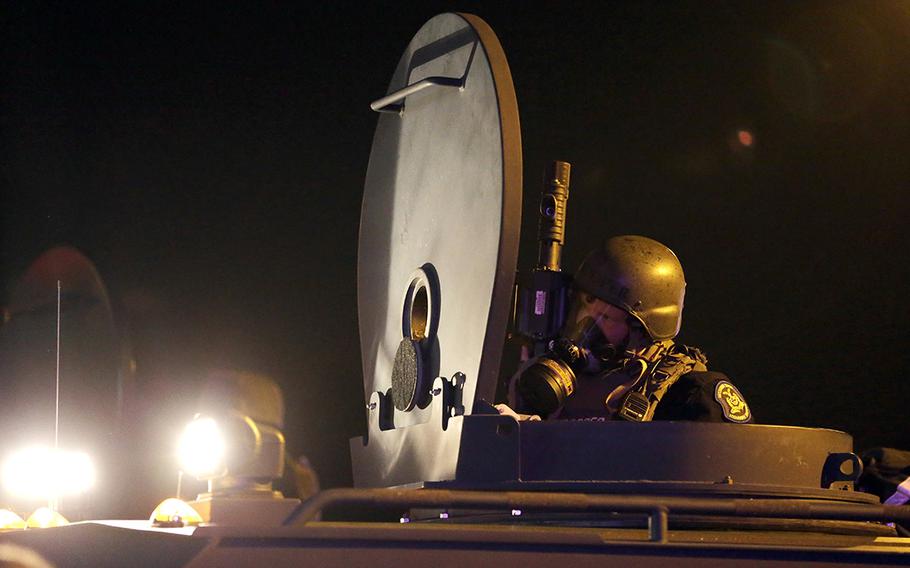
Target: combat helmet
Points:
(641, 276)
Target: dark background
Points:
(211, 164)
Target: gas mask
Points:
(593, 341)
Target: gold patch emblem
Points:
(735, 407)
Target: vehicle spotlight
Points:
(41, 473)
(201, 448)
(235, 453)
(235, 443)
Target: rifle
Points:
(541, 297)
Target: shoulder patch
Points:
(733, 403)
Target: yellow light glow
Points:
(42, 473)
(669, 310)
(664, 269)
(43, 518)
(10, 520)
(201, 448)
(175, 511)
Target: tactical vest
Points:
(658, 366)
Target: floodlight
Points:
(236, 445)
(234, 452)
(40, 473)
(235, 441)
(201, 448)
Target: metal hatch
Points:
(438, 246)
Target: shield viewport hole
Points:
(420, 308)
(419, 313)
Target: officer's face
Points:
(611, 320)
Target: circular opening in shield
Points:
(420, 307)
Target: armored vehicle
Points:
(464, 484)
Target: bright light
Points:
(10, 520)
(42, 473)
(43, 518)
(175, 511)
(201, 448)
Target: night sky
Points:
(211, 164)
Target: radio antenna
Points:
(53, 504)
(57, 400)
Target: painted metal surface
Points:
(435, 193)
(442, 197)
(428, 544)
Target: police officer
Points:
(616, 358)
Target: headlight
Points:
(42, 473)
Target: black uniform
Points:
(685, 391)
(695, 397)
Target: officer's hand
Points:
(504, 410)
